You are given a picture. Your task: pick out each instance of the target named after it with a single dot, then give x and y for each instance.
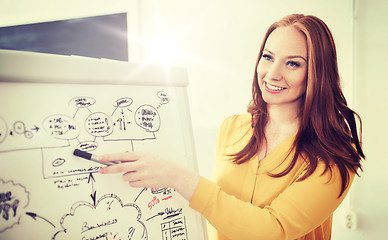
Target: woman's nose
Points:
(275, 72)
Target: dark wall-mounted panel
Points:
(99, 37)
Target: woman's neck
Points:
(283, 119)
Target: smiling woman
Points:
(282, 168)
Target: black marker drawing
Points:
(167, 213)
(174, 229)
(124, 102)
(36, 216)
(109, 217)
(14, 198)
(163, 97)
(58, 162)
(81, 102)
(165, 191)
(144, 189)
(61, 127)
(3, 129)
(20, 128)
(147, 117)
(93, 195)
(90, 208)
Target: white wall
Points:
(217, 41)
(369, 196)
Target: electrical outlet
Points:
(351, 220)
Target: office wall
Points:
(369, 197)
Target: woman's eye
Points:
(293, 64)
(267, 57)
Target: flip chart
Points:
(51, 105)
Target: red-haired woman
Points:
(284, 167)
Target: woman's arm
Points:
(298, 210)
(152, 171)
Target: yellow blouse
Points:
(245, 203)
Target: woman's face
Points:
(282, 68)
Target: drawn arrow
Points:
(35, 128)
(159, 214)
(94, 194)
(34, 216)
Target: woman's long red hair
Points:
(328, 130)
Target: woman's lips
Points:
(273, 88)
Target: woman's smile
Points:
(273, 88)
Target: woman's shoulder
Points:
(233, 134)
(235, 128)
(237, 122)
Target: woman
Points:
(284, 167)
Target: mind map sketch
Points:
(48, 193)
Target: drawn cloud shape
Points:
(109, 219)
(14, 198)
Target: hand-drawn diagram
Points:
(175, 229)
(109, 217)
(121, 125)
(13, 199)
(82, 204)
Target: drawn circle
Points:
(147, 117)
(61, 127)
(99, 124)
(28, 134)
(123, 102)
(82, 102)
(3, 129)
(87, 146)
(19, 127)
(164, 97)
(58, 162)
